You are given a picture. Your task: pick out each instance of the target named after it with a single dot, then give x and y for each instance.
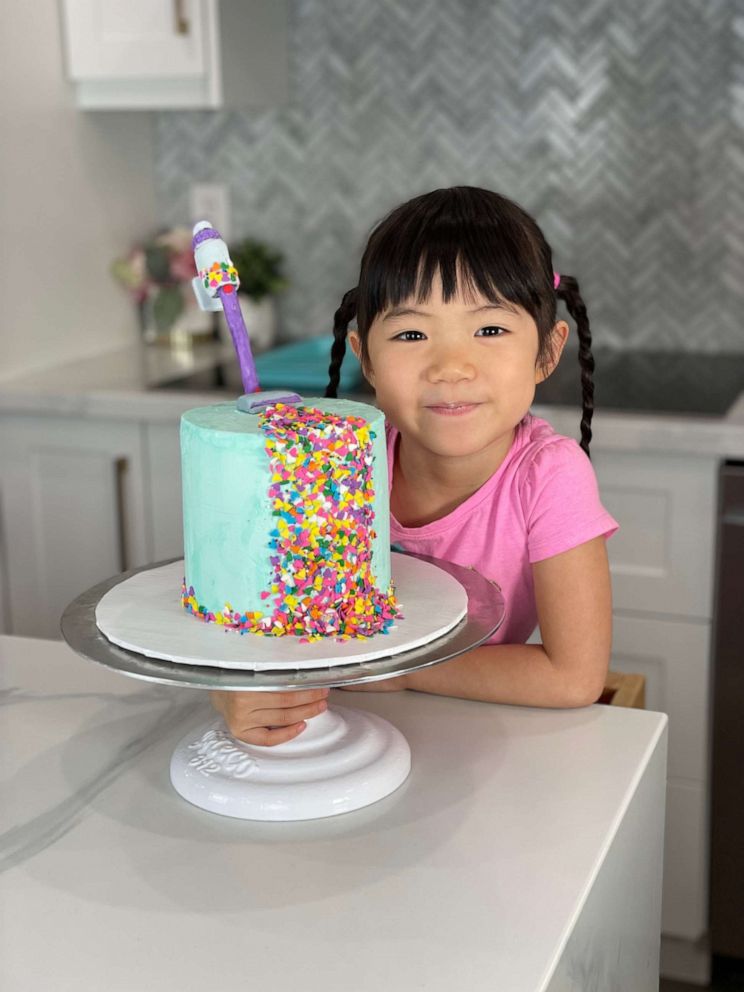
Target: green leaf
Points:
(157, 262)
(259, 269)
(167, 307)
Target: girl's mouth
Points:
(453, 409)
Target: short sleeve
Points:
(561, 501)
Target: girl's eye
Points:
(404, 336)
(492, 331)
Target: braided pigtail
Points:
(341, 320)
(568, 291)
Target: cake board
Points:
(345, 759)
(144, 614)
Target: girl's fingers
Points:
(270, 736)
(285, 717)
(247, 714)
(239, 708)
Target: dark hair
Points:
(486, 240)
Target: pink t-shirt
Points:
(542, 500)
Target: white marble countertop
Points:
(471, 875)
(122, 384)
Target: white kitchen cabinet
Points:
(175, 54)
(686, 847)
(164, 490)
(673, 656)
(662, 562)
(662, 556)
(73, 512)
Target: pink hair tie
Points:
(556, 280)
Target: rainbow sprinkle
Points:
(219, 274)
(321, 492)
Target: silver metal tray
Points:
(484, 617)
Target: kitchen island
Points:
(90, 486)
(523, 853)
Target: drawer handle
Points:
(121, 467)
(179, 14)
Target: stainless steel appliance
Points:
(727, 802)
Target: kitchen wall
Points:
(619, 125)
(75, 190)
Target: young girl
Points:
(455, 315)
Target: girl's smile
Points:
(452, 409)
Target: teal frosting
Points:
(227, 516)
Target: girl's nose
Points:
(450, 367)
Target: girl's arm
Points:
(574, 608)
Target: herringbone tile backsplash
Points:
(618, 123)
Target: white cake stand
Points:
(345, 758)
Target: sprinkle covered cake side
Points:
(322, 500)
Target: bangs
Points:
(465, 235)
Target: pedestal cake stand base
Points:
(343, 760)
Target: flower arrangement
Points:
(158, 275)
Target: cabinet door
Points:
(673, 656)
(72, 512)
(662, 556)
(108, 39)
(164, 473)
(170, 54)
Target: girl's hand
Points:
(268, 718)
(384, 685)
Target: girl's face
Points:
(455, 378)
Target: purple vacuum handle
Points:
(241, 341)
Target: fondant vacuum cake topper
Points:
(285, 500)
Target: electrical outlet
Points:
(211, 201)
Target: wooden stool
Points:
(624, 690)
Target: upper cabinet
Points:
(176, 54)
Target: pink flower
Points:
(182, 266)
(158, 263)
